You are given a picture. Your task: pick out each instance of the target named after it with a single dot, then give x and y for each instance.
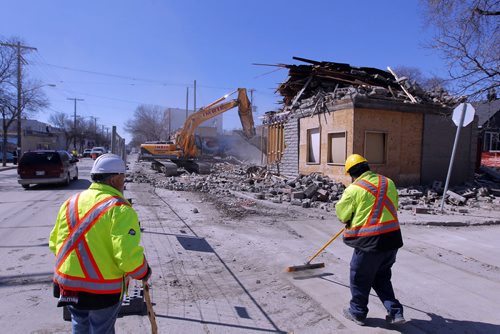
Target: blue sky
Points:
(149, 51)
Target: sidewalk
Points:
(9, 165)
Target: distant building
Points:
(488, 114)
(35, 135)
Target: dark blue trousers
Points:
(372, 270)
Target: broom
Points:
(308, 264)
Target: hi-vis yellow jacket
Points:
(369, 205)
(96, 242)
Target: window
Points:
(375, 147)
(491, 141)
(337, 148)
(313, 145)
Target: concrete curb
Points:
(452, 223)
(7, 168)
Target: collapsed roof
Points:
(338, 81)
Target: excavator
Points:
(167, 157)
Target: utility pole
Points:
(169, 122)
(187, 101)
(251, 90)
(18, 48)
(95, 127)
(74, 119)
(194, 110)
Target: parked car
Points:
(9, 156)
(97, 151)
(46, 166)
(86, 153)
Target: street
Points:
(220, 268)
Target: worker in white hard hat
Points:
(369, 208)
(96, 242)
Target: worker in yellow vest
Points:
(96, 242)
(369, 208)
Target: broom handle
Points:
(151, 313)
(326, 245)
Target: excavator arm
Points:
(186, 139)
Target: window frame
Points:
(365, 153)
(329, 158)
(308, 146)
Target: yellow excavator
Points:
(166, 157)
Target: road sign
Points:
(468, 117)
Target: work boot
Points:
(347, 313)
(397, 319)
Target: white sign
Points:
(468, 117)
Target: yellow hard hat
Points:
(352, 161)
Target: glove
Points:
(148, 274)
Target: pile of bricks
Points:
(316, 190)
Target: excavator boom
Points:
(186, 139)
(167, 156)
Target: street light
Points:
(19, 112)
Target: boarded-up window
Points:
(275, 143)
(313, 145)
(375, 147)
(337, 147)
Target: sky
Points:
(116, 55)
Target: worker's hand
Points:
(148, 274)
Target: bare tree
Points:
(467, 35)
(32, 97)
(414, 74)
(7, 77)
(63, 123)
(149, 123)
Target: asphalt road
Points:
(223, 272)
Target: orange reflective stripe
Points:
(84, 225)
(365, 231)
(87, 261)
(140, 271)
(373, 225)
(88, 285)
(76, 241)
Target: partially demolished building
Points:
(331, 110)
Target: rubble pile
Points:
(314, 85)
(480, 194)
(313, 190)
(319, 191)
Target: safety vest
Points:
(369, 205)
(85, 250)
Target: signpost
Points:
(463, 115)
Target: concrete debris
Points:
(319, 191)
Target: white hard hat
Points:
(108, 164)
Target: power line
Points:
(118, 76)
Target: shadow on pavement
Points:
(45, 245)
(439, 324)
(26, 279)
(258, 329)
